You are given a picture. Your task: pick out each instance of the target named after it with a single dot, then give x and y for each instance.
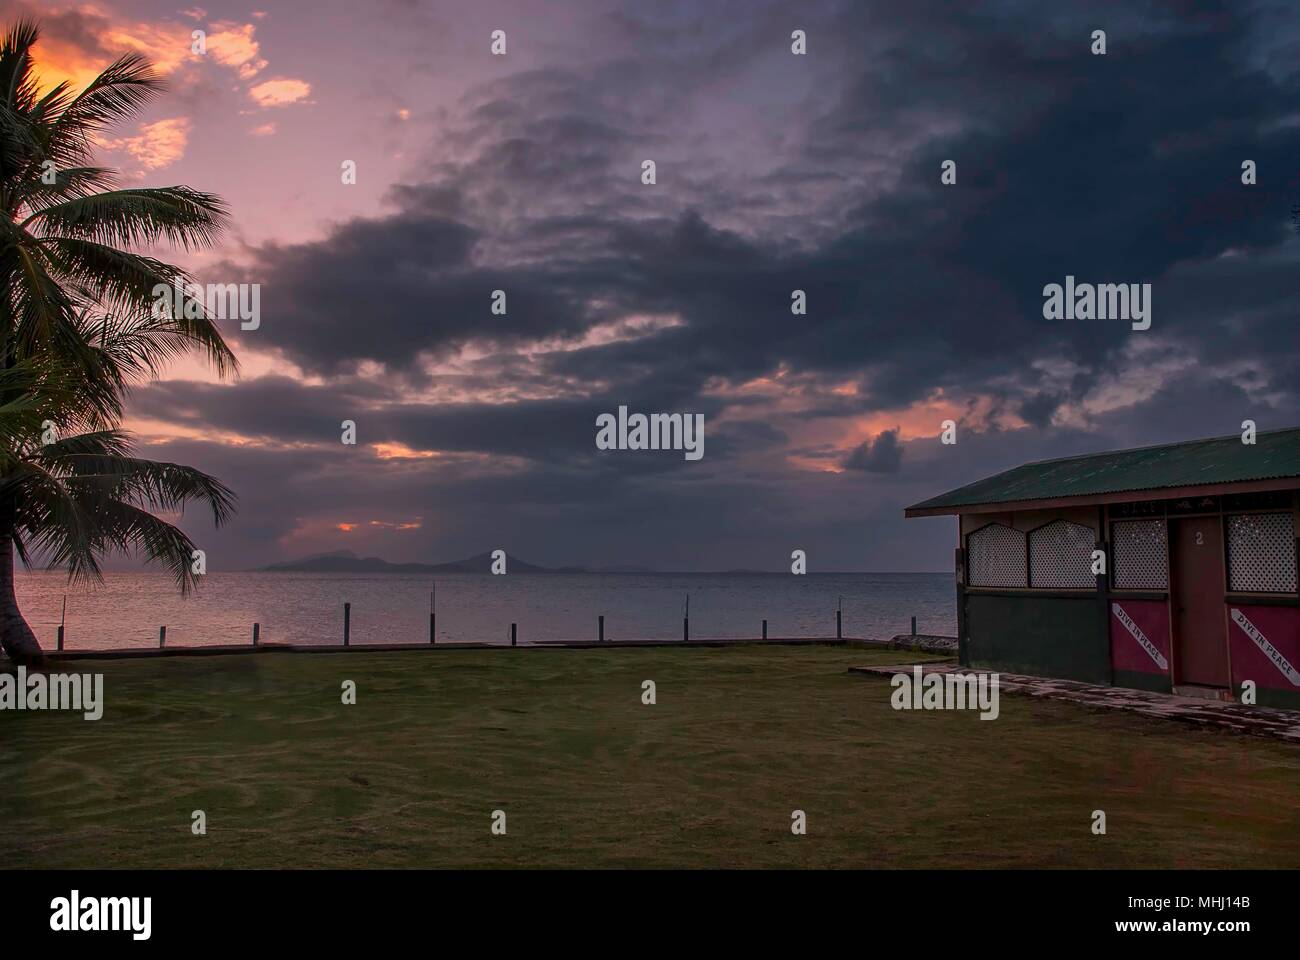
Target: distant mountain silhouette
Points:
(345, 561)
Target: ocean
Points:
(128, 609)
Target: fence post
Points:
(257, 630)
(162, 637)
(686, 621)
(433, 617)
(514, 637)
(601, 620)
(839, 620)
(347, 623)
(764, 629)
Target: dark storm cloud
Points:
(1122, 168)
(884, 454)
(1110, 169)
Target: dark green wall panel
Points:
(1062, 637)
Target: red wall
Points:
(1278, 627)
(1151, 618)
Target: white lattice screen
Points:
(1060, 555)
(996, 557)
(1261, 553)
(1140, 551)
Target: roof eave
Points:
(1093, 499)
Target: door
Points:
(1197, 579)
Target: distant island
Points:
(345, 561)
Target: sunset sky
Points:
(775, 172)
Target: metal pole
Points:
(514, 637)
(433, 617)
(257, 629)
(764, 629)
(347, 623)
(601, 620)
(686, 620)
(162, 637)
(839, 620)
(914, 626)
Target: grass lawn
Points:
(589, 776)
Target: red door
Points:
(1200, 630)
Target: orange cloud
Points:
(233, 45)
(403, 525)
(159, 144)
(400, 451)
(81, 41)
(279, 92)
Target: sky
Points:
(774, 172)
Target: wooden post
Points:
(162, 637)
(347, 623)
(686, 620)
(959, 562)
(839, 620)
(60, 636)
(913, 626)
(1103, 594)
(764, 629)
(257, 630)
(601, 620)
(433, 616)
(514, 636)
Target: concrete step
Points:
(1221, 694)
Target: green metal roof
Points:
(1274, 455)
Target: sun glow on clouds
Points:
(348, 527)
(279, 92)
(101, 35)
(826, 440)
(486, 372)
(233, 45)
(159, 144)
(400, 451)
(152, 430)
(399, 525)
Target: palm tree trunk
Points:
(15, 635)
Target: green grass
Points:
(588, 776)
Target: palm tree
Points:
(78, 327)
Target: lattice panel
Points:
(1261, 553)
(1140, 551)
(1060, 555)
(996, 557)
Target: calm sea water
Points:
(386, 608)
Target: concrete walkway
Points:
(1257, 721)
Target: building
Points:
(1163, 568)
